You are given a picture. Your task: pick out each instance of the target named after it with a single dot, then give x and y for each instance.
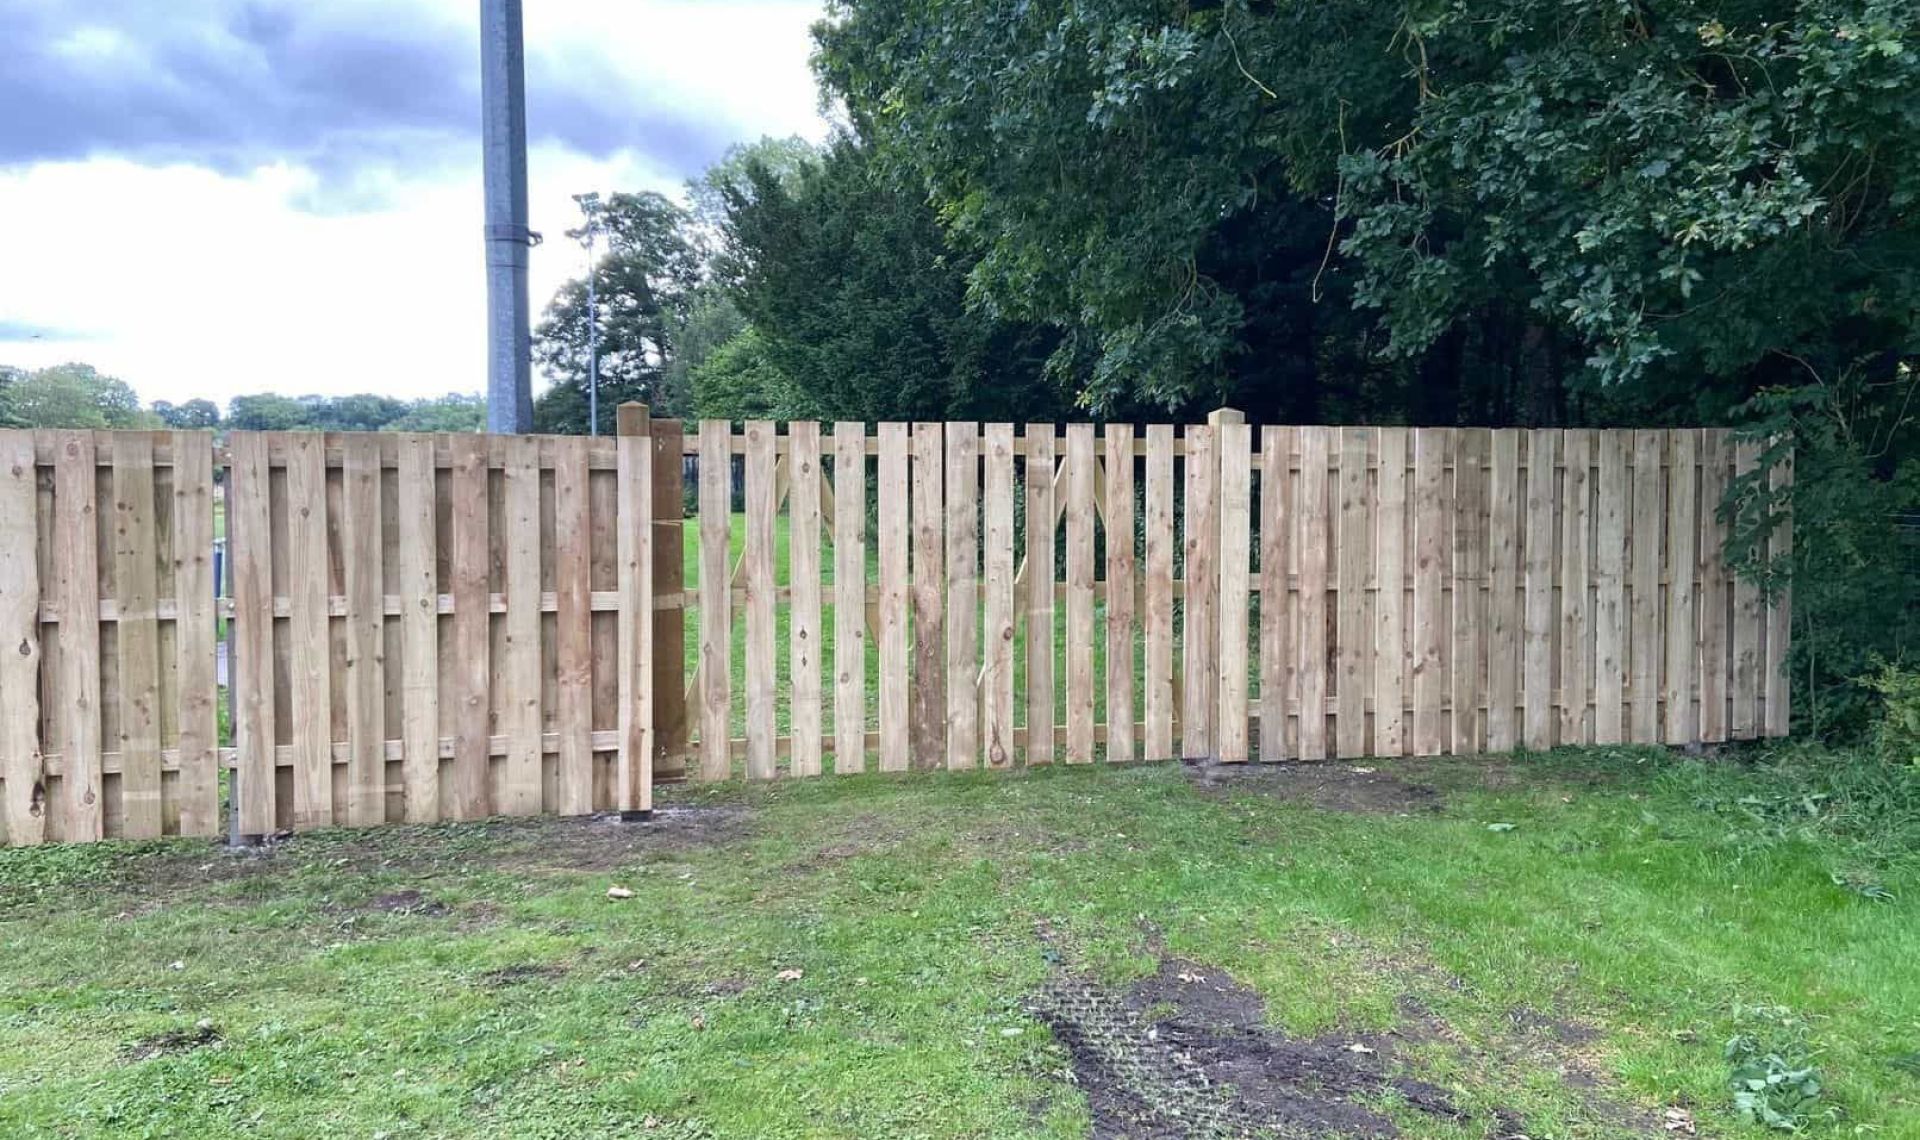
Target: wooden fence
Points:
(446, 627)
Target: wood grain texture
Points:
(849, 597)
(1122, 592)
(136, 558)
(668, 642)
(929, 692)
(803, 628)
(1646, 645)
(963, 595)
(24, 811)
(1157, 695)
(1504, 619)
(1277, 446)
(894, 540)
(366, 637)
(1200, 629)
(716, 599)
(197, 738)
(1042, 572)
(1747, 625)
(310, 684)
(1235, 444)
(1467, 660)
(1353, 635)
(1612, 508)
(1575, 608)
(469, 561)
(249, 538)
(636, 573)
(1537, 619)
(1317, 445)
(1432, 568)
(573, 526)
(1080, 516)
(1682, 724)
(757, 572)
(1390, 595)
(1715, 596)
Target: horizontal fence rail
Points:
(427, 627)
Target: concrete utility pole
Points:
(503, 98)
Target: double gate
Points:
(454, 626)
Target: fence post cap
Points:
(1226, 416)
(634, 419)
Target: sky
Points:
(209, 198)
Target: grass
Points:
(1644, 898)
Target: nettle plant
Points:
(1774, 1080)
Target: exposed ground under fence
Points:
(435, 627)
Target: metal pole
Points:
(503, 98)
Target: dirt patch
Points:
(1353, 788)
(1187, 1053)
(521, 973)
(172, 1042)
(408, 903)
(1560, 1030)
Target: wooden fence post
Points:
(669, 581)
(633, 779)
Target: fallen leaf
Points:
(1502, 826)
(619, 893)
(790, 975)
(1358, 1047)
(698, 1020)
(1679, 1120)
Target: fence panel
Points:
(448, 627)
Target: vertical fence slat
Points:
(1503, 602)
(21, 755)
(1576, 615)
(1746, 625)
(310, 685)
(1080, 514)
(803, 558)
(1389, 602)
(519, 705)
(963, 595)
(996, 702)
(849, 597)
(1713, 587)
(1200, 632)
(1276, 610)
(420, 627)
(1645, 644)
(929, 599)
(895, 464)
(1610, 614)
(1120, 593)
(1543, 458)
(716, 598)
(249, 537)
(366, 638)
(1353, 638)
(1682, 724)
(198, 793)
(1157, 697)
(757, 572)
(1313, 488)
(1473, 449)
(1778, 691)
(136, 569)
(1040, 582)
(573, 619)
(470, 563)
(668, 642)
(1235, 512)
(636, 499)
(1428, 649)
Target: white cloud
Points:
(189, 282)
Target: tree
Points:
(454, 412)
(74, 396)
(267, 412)
(9, 376)
(194, 415)
(858, 305)
(646, 280)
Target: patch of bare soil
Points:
(1330, 786)
(524, 972)
(1187, 1053)
(408, 903)
(173, 1041)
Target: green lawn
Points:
(1557, 945)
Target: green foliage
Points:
(266, 412)
(649, 266)
(452, 412)
(1862, 812)
(1897, 734)
(72, 396)
(194, 415)
(1774, 1081)
(272, 412)
(739, 381)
